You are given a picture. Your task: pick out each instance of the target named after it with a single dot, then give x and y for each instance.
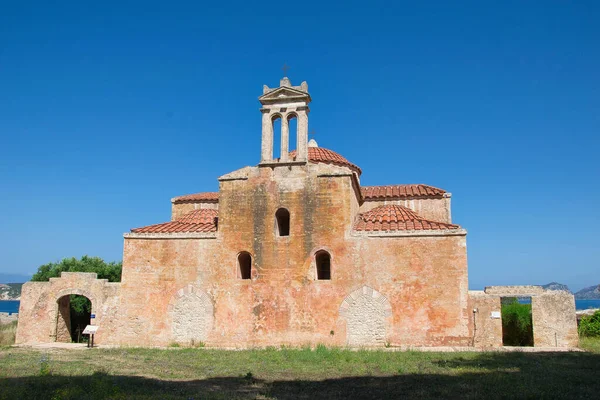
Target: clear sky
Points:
(109, 110)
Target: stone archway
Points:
(64, 327)
(191, 312)
(365, 311)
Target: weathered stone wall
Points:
(514, 291)
(156, 272)
(63, 322)
(485, 322)
(424, 279)
(366, 312)
(432, 209)
(553, 315)
(40, 318)
(180, 209)
(554, 320)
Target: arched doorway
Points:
(74, 313)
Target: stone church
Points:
(295, 251)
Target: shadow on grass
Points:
(489, 375)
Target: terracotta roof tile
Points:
(201, 220)
(400, 191)
(208, 197)
(326, 156)
(393, 217)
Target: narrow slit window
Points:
(245, 265)
(323, 261)
(282, 217)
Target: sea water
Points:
(9, 306)
(585, 304)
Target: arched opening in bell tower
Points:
(276, 129)
(292, 120)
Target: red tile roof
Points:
(400, 191)
(203, 197)
(201, 220)
(326, 156)
(396, 218)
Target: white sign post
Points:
(91, 330)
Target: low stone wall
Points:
(486, 322)
(553, 316)
(7, 318)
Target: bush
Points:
(517, 326)
(590, 326)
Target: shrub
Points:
(590, 325)
(517, 327)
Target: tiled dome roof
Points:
(201, 220)
(393, 217)
(326, 156)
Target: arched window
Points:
(245, 265)
(323, 263)
(282, 219)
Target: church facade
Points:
(294, 251)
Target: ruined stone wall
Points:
(432, 209)
(486, 321)
(6, 318)
(180, 209)
(42, 320)
(397, 290)
(554, 319)
(553, 316)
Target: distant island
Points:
(10, 291)
(588, 293)
(556, 286)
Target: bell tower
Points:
(284, 102)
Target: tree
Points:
(79, 304)
(110, 271)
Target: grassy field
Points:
(295, 374)
(7, 333)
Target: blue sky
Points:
(108, 111)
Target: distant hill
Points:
(10, 291)
(556, 286)
(589, 293)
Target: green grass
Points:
(591, 344)
(7, 333)
(321, 373)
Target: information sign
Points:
(90, 330)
